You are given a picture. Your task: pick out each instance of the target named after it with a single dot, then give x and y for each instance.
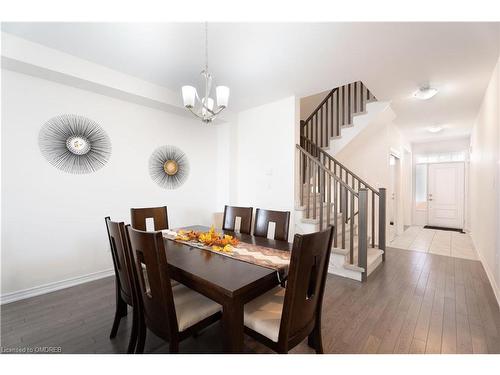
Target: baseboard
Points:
(494, 286)
(52, 287)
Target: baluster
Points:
(308, 188)
(373, 218)
(329, 200)
(351, 231)
(321, 194)
(315, 189)
(363, 103)
(360, 99)
(343, 210)
(301, 181)
(355, 97)
(332, 132)
(335, 213)
(316, 128)
(349, 115)
(322, 138)
(342, 96)
(337, 114)
(327, 126)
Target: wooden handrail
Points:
(335, 161)
(325, 169)
(328, 96)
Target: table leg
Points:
(232, 323)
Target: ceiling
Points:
(262, 62)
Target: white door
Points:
(446, 195)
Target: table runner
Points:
(278, 260)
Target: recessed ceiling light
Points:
(434, 129)
(425, 93)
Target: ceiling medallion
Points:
(74, 144)
(203, 108)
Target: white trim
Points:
(52, 287)
(494, 286)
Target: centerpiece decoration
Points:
(217, 241)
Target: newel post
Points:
(381, 220)
(363, 231)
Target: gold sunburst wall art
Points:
(168, 166)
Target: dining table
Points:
(228, 281)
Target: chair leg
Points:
(121, 311)
(311, 340)
(174, 346)
(133, 335)
(142, 329)
(318, 340)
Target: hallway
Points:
(439, 242)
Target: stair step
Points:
(304, 208)
(372, 256)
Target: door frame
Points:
(462, 225)
(397, 206)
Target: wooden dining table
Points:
(228, 281)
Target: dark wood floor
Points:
(415, 303)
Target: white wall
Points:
(309, 103)
(53, 222)
(368, 154)
(263, 157)
(484, 182)
(446, 145)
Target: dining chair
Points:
(123, 279)
(171, 312)
(264, 217)
(230, 215)
(158, 214)
(282, 318)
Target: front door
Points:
(446, 195)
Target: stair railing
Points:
(376, 198)
(334, 112)
(321, 188)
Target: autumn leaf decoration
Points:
(219, 242)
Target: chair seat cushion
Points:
(263, 314)
(191, 307)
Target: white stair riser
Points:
(339, 265)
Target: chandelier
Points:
(203, 107)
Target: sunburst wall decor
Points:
(168, 167)
(74, 144)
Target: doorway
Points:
(446, 192)
(393, 198)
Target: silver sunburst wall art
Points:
(74, 144)
(168, 167)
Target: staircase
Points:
(331, 194)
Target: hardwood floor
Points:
(414, 303)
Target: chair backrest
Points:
(121, 261)
(159, 214)
(306, 283)
(264, 217)
(152, 281)
(230, 215)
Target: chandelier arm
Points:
(194, 113)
